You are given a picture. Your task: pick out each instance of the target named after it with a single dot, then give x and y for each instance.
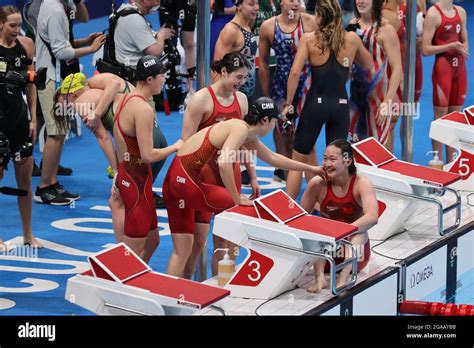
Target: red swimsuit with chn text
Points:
(210, 172)
(185, 192)
(134, 181)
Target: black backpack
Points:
(109, 62)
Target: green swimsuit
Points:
(108, 119)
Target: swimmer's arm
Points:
(226, 159)
(243, 103)
(392, 19)
(391, 46)
(369, 205)
(106, 145)
(102, 80)
(432, 22)
(264, 53)
(197, 107)
(308, 22)
(362, 57)
(301, 57)
(144, 132)
(311, 193)
(422, 5)
(111, 88)
(275, 159)
(227, 41)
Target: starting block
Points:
(457, 130)
(401, 186)
(282, 241)
(120, 283)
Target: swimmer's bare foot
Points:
(3, 247)
(33, 242)
(318, 285)
(341, 280)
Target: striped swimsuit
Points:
(368, 92)
(285, 46)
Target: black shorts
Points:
(179, 9)
(14, 121)
(319, 111)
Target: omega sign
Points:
(421, 276)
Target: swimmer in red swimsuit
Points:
(445, 35)
(392, 14)
(134, 148)
(184, 190)
(219, 102)
(347, 197)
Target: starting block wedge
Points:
(282, 241)
(457, 130)
(401, 186)
(120, 283)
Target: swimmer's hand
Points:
(320, 171)
(287, 109)
(177, 145)
(245, 201)
(255, 189)
(383, 113)
(461, 48)
(92, 121)
(114, 190)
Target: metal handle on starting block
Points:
(441, 210)
(333, 267)
(220, 310)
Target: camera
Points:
(6, 153)
(5, 156)
(4, 147)
(355, 28)
(14, 80)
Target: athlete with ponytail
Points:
(330, 51)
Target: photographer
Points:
(134, 37)
(32, 9)
(17, 53)
(56, 51)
